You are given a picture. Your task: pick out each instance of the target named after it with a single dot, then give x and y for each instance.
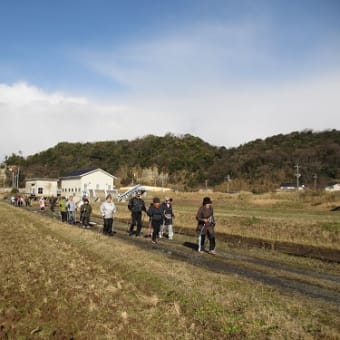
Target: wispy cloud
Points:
(199, 56)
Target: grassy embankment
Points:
(59, 281)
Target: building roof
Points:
(78, 173)
(81, 173)
(41, 179)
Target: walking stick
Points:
(200, 237)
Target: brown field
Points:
(63, 282)
(298, 218)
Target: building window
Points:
(40, 190)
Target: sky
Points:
(227, 71)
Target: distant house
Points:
(86, 182)
(333, 187)
(290, 187)
(41, 187)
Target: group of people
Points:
(20, 201)
(160, 217)
(68, 208)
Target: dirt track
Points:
(288, 277)
(282, 276)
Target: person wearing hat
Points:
(108, 209)
(206, 225)
(156, 214)
(85, 211)
(136, 205)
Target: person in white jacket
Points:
(108, 209)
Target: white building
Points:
(87, 183)
(41, 187)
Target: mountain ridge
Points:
(188, 162)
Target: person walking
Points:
(71, 210)
(42, 204)
(53, 201)
(156, 214)
(108, 209)
(85, 212)
(206, 226)
(136, 205)
(63, 209)
(168, 217)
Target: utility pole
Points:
(18, 173)
(12, 170)
(298, 175)
(228, 182)
(315, 176)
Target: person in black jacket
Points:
(136, 205)
(156, 214)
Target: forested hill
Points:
(188, 162)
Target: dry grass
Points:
(61, 282)
(292, 217)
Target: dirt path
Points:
(323, 286)
(287, 277)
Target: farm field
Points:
(60, 281)
(285, 217)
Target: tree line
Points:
(187, 162)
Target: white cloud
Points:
(33, 120)
(231, 118)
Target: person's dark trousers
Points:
(63, 216)
(202, 241)
(156, 225)
(133, 222)
(212, 242)
(86, 221)
(70, 217)
(108, 226)
(136, 218)
(139, 224)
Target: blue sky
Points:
(226, 71)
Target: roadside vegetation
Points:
(65, 282)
